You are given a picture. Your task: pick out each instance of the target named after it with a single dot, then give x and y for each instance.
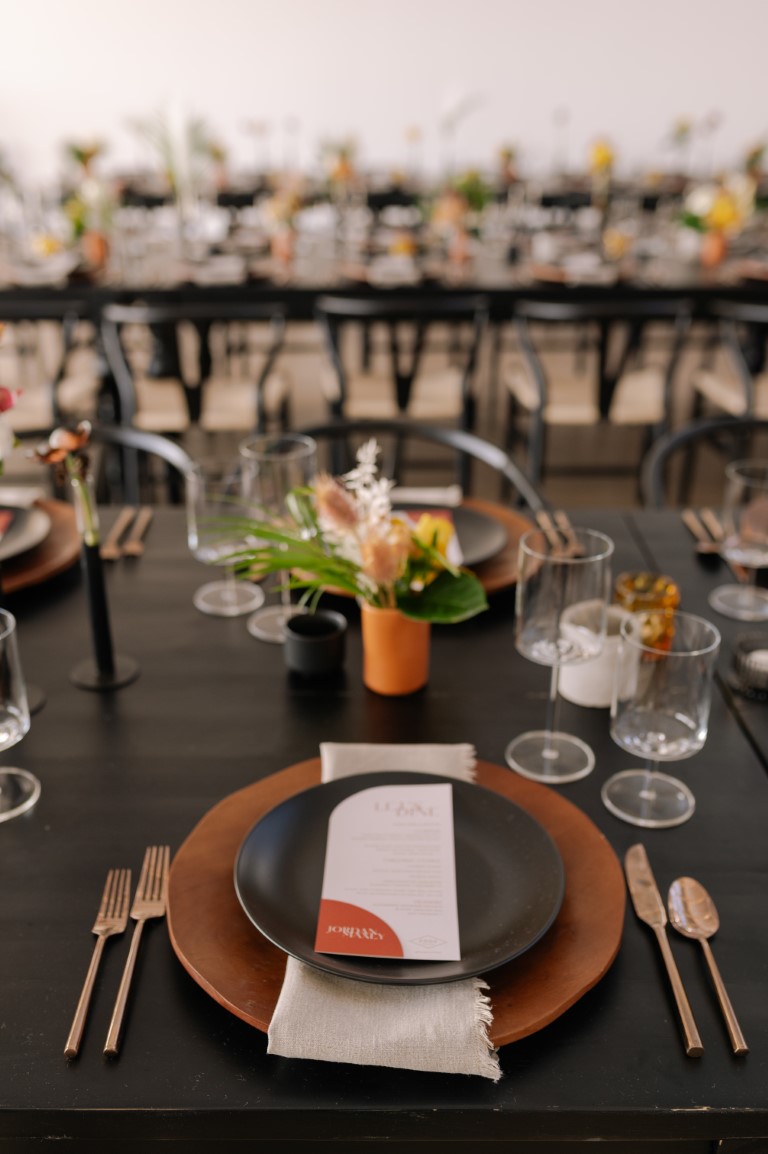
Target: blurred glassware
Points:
(19, 789)
(745, 541)
(215, 501)
(272, 466)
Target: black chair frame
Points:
(463, 442)
(604, 313)
(334, 312)
(654, 466)
(161, 320)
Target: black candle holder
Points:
(106, 670)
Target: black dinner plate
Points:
(509, 877)
(479, 535)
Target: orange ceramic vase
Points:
(714, 249)
(395, 651)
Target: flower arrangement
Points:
(66, 450)
(601, 157)
(345, 536)
(723, 207)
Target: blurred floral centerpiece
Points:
(91, 204)
(719, 211)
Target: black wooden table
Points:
(214, 710)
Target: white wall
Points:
(83, 68)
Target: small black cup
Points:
(315, 642)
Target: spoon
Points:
(693, 913)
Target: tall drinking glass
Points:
(561, 608)
(660, 711)
(19, 789)
(745, 523)
(215, 502)
(272, 466)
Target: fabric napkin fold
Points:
(448, 496)
(443, 1028)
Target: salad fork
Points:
(149, 902)
(112, 918)
(559, 532)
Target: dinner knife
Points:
(650, 909)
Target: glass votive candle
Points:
(643, 592)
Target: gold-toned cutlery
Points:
(708, 531)
(704, 542)
(650, 909)
(149, 902)
(559, 532)
(111, 919)
(693, 913)
(111, 549)
(134, 544)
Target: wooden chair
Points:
(206, 365)
(416, 358)
(564, 376)
(458, 442)
(731, 434)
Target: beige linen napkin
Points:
(333, 1019)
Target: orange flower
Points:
(62, 442)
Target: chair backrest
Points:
(458, 440)
(34, 357)
(407, 321)
(600, 313)
(131, 443)
(206, 318)
(656, 460)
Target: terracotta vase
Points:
(95, 248)
(714, 249)
(395, 651)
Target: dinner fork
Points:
(559, 532)
(149, 902)
(134, 545)
(111, 549)
(112, 918)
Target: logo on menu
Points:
(364, 933)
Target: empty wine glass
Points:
(215, 501)
(19, 789)
(272, 466)
(660, 711)
(745, 541)
(561, 608)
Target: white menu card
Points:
(389, 883)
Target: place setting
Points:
(250, 878)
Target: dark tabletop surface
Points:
(214, 710)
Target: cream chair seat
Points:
(555, 380)
(227, 379)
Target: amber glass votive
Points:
(642, 592)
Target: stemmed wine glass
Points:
(660, 711)
(561, 608)
(272, 466)
(745, 524)
(19, 789)
(215, 501)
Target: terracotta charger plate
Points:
(58, 551)
(500, 571)
(243, 971)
